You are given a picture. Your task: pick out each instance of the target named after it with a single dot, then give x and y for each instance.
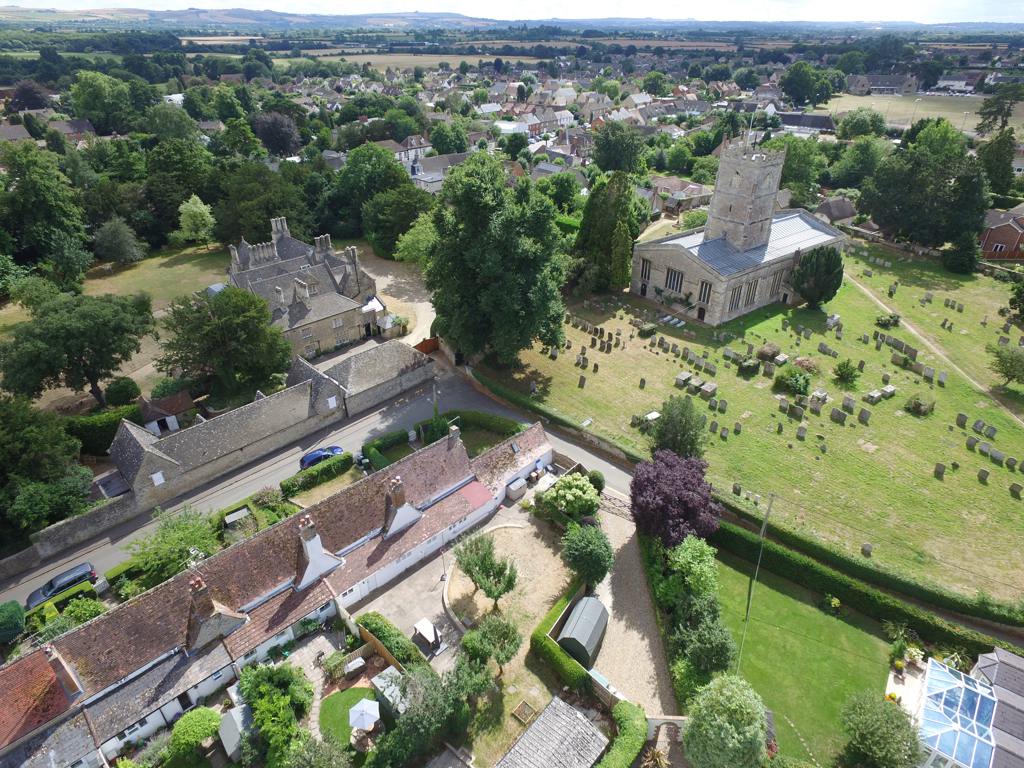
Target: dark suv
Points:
(56, 585)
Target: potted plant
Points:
(914, 656)
(899, 666)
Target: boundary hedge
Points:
(391, 637)
(630, 736)
(565, 667)
(317, 474)
(872, 602)
(96, 430)
(852, 566)
(988, 609)
(44, 612)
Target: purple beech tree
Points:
(672, 500)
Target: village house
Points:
(742, 259)
(321, 300)
(429, 173)
(881, 85)
(1003, 236)
(411, 148)
(131, 672)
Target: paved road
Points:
(453, 392)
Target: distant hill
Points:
(244, 19)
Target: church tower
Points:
(744, 199)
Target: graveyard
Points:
(937, 496)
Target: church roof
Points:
(791, 231)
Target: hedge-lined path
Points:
(304, 657)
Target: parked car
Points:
(313, 458)
(64, 581)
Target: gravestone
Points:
(838, 416)
(533, 387)
(849, 404)
(984, 448)
(711, 368)
(736, 489)
(595, 367)
(940, 470)
(583, 381)
(864, 416)
(873, 397)
(783, 405)
(724, 433)
(928, 374)
(983, 475)
(886, 378)
(737, 428)
(961, 420)
(878, 344)
(990, 432)
(972, 441)
(860, 365)
(554, 353)
(1011, 463)
(769, 369)
(959, 307)
(807, 333)
(778, 428)
(978, 426)
(708, 390)
(997, 456)
(796, 412)
(723, 405)
(712, 404)
(1015, 489)
(568, 344)
(593, 342)
(801, 432)
(943, 323)
(714, 427)
(868, 273)
(643, 383)
(1006, 327)
(1004, 340)
(682, 378)
(942, 378)
(816, 407)
(888, 391)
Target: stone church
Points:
(743, 257)
(320, 299)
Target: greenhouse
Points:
(956, 718)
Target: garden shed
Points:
(584, 630)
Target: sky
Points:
(927, 11)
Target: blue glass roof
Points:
(957, 717)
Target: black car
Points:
(61, 582)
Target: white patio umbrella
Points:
(364, 715)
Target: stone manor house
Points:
(321, 300)
(743, 257)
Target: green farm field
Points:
(846, 485)
(901, 110)
(408, 60)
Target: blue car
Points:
(313, 458)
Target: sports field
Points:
(900, 111)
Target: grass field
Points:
(331, 487)
(803, 662)
(334, 712)
(873, 484)
(901, 110)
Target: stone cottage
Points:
(320, 299)
(742, 258)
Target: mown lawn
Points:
(334, 712)
(331, 487)
(803, 662)
(872, 484)
(477, 440)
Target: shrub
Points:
(122, 391)
(96, 430)
(192, 729)
(919, 405)
(748, 366)
(807, 364)
(334, 666)
(565, 667)
(891, 320)
(12, 621)
(647, 330)
(710, 647)
(126, 588)
(727, 726)
(377, 459)
(880, 734)
(846, 372)
(680, 428)
(596, 479)
(694, 560)
(671, 499)
(54, 628)
(588, 553)
(316, 475)
(630, 736)
(168, 386)
(574, 496)
(793, 380)
(687, 681)
(391, 637)
(82, 609)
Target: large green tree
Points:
(859, 160)
(418, 241)
(225, 335)
(390, 214)
(39, 206)
(103, 100)
(997, 110)
(680, 428)
(862, 121)
(880, 734)
(618, 147)
(195, 222)
(176, 169)
(495, 272)
(115, 241)
(727, 726)
(448, 137)
(588, 553)
(252, 195)
(802, 167)
(77, 342)
(611, 203)
(818, 276)
(804, 84)
(169, 549)
(996, 157)
(369, 170)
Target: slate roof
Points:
(158, 685)
(791, 231)
(162, 407)
(376, 365)
(14, 133)
(32, 696)
(1005, 672)
(61, 743)
(804, 120)
(495, 467)
(560, 737)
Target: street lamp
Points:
(964, 122)
(914, 116)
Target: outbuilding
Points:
(584, 630)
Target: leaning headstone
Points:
(849, 404)
(593, 341)
(864, 416)
(583, 381)
(1015, 490)
(838, 416)
(783, 405)
(940, 470)
(961, 420)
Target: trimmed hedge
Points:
(377, 459)
(630, 736)
(391, 637)
(96, 430)
(317, 474)
(873, 574)
(1006, 201)
(127, 568)
(387, 440)
(565, 667)
(820, 579)
(492, 422)
(45, 612)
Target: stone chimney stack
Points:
(280, 293)
(307, 528)
(393, 501)
(321, 248)
(314, 560)
(302, 287)
(206, 619)
(279, 229)
(64, 676)
(236, 264)
(453, 435)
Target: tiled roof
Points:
(152, 689)
(274, 616)
(560, 737)
(158, 408)
(32, 696)
(495, 467)
(70, 738)
(376, 365)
